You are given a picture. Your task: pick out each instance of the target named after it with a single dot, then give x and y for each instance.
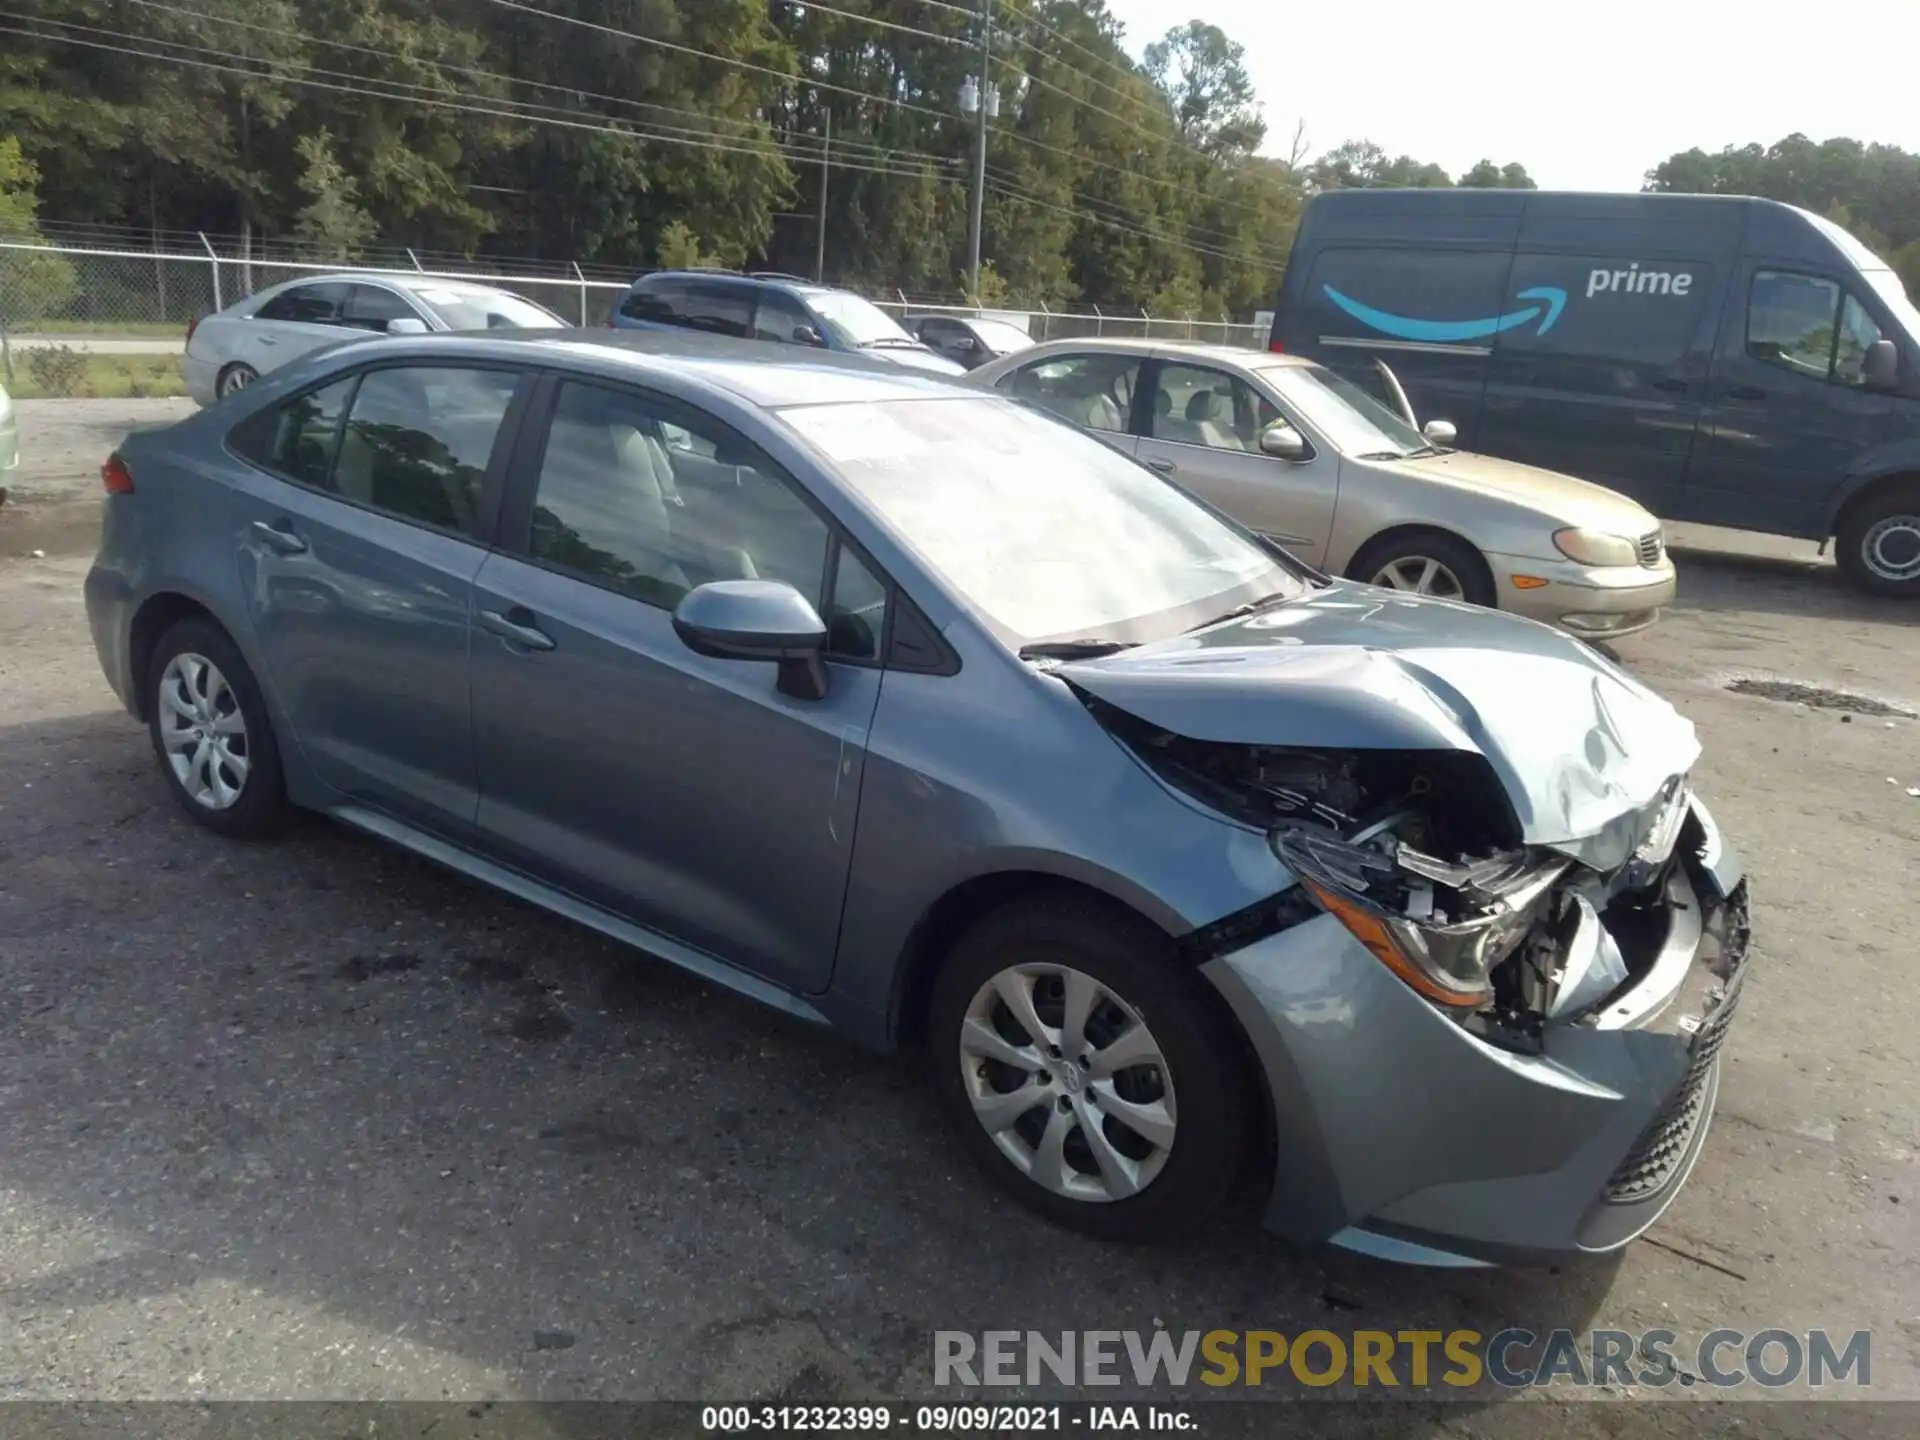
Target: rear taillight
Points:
(193, 325)
(1276, 347)
(116, 477)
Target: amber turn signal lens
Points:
(1371, 931)
(1527, 582)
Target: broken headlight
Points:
(1441, 926)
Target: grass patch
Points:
(106, 329)
(95, 377)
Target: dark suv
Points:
(779, 309)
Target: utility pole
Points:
(826, 156)
(984, 92)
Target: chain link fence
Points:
(99, 292)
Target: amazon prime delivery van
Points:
(1720, 359)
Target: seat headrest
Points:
(1204, 405)
(1162, 403)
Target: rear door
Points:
(684, 793)
(1202, 431)
(1097, 391)
(1431, 313)
(361, 518)
(296, 322)
(1786, 410)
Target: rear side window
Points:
(1604, 307)
(719, 310)
(1431, 297)
(306, 304)
(298, 437)
(1091, 390)
(418, 440)
(658, 302)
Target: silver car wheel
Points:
(204, 732)
(1422, 575)
(1891, 549)
(235, 379)
(1068, 1081)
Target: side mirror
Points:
(406, 325)
(1440, 432)
(1880, 370)
(758, 620)
(807, 335)
(1283, 442)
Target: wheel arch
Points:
(1862, 491)
(157, 614)
(1382, 539)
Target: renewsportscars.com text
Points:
(1410, 1359)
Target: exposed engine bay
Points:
(1419, 854)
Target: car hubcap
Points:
(1069, 1082)
(1422, 576)
(203, 732)
(1892, 548)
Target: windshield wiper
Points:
(1072, 649)
(1252, 607)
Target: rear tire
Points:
(1878, 546)
(1152, 1049)
(1426, 562)
(211, 734)
(234, 379)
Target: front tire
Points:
(1427, 562)
(1088, 1070)
(211, 734)
(1879, 543)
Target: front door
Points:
(1786, 409)
(359, 524)
(1202, 431)
(682, 792)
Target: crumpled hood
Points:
(1584, 752)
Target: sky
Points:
(1587, 94)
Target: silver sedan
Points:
(229, 350)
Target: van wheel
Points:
(1426, 562)
(1087, 1071)
(1879, 542)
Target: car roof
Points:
(398, 281)
(1123, 345)
(771, 377)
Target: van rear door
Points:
(1430, 313)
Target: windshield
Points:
(1047, 532)
(1002, 336)
(854, 321)
(1894, 296)
(487, 310)
(1352, 421)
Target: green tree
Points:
(331, 222)
(1361, 163)
(1204, 76)
(1486, 175)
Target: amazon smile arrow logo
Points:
(1441, 332)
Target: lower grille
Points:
(1653, 1160)
(1652, 548)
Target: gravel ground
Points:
(317, 1120)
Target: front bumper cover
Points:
(1400, 1134)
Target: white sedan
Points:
(230, 350)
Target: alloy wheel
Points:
(204, 732)
(1891, 549)
(1421, 575)
(1068, 1081)
(235, 380)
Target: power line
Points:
(877, 151)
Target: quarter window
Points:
(1095, 391)
(1808, 326)
(418, 440)
(1195, 405)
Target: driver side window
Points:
(1809, 327)
(1196, 405)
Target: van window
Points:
(1402, 295)
(1806, 325)
(1643, 313)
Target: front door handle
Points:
(1164, 467)
(1746, 392)
(279, 537)
(517, 625)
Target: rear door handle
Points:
(279, 537)
(1165, 467)
(517, 625)
(1746, 392)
